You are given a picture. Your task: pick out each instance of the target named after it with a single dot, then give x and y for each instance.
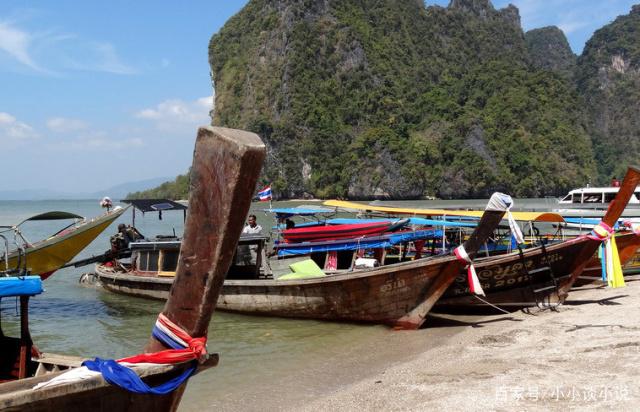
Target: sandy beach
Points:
(583, 356)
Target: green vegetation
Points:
(178, 189)
(608, 78)
(387, 98)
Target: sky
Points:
(94, 94)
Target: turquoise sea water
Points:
(259, 357)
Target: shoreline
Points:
(585, 355)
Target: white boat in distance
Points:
(593, 202)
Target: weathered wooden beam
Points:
(226, 165)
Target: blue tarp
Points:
(412, 221)
(20, 286)
(588, 221)
(297, 211)
(373, 242)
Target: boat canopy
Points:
(55, 215)
(412, 221)
(285, 212)
(11, 286)
(521, 216)
(155, 205)
(372, 242)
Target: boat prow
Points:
(44, 257)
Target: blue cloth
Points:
(126, 378)
(297, 211)
(165, 339)
(375, 242)
(20, 286)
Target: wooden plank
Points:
(225, 168)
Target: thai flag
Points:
(265, 194)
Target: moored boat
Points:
(44, 257)
(399, 294)
(340, 231)
(592, 202)
(183, 324)
(542, 275)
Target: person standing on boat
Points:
(252, 227)
(246, 255)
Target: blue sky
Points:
(93, 94)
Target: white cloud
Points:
(93, 56)
(95, 141)
(64, 125)
(12, 130)
(175, 114)
(16, 43)
(578, 19)
(61, 51)
(571, 26)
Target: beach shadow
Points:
(605, 301)
(446, 322)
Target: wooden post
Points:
(25, 338)
(226, 165)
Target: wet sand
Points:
(584, 356)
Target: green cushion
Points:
(305, 269)
(308, 267)
(293, 276)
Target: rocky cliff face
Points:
(608, 78)
(549, 50)
(387, 98)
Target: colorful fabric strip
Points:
(119, 375)
(472, 277)
(185, 349)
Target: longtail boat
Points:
(340, 231)
(399, 294)
(225, 168)
(542, 275)
(44, 257)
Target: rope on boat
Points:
(491, 304)
(184, 349)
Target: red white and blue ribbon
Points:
(472, 277)
(184, 349)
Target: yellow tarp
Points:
(521, 216)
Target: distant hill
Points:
(608, 79)
(116, 192)
(391, 99)
(388, 98)
(175, 190)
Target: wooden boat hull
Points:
(525, 279)
(47, 256)
(93, 394)
(225, 168)
(380, 295)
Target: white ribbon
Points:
(500, 202)
(472, 277)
